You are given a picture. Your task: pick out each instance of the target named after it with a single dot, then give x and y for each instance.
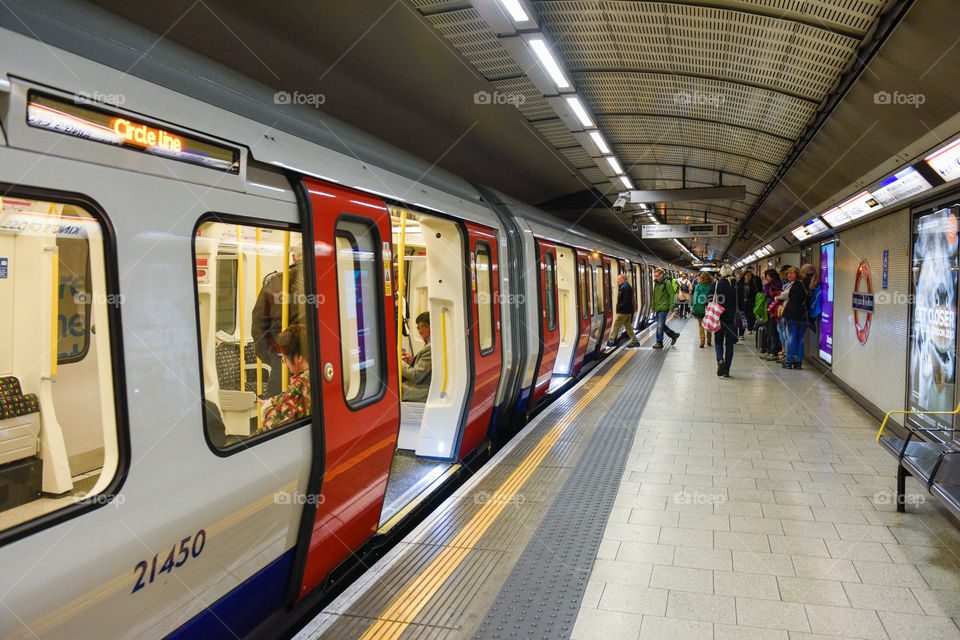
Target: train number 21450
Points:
(191, 546)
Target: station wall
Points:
(877, 368)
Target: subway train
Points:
(184, 265)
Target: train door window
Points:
(595, 285)
(57, 318)
(584, 310)
(255, 350)
(358, 276)
(484, 297)
(550, 279)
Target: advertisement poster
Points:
(933, 331)
(826, 301)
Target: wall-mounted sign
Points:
(810, 229)
(862, 302)
(101, 125)
(900, 186)
(933, 327)
(886, 268)
(826, 301)
(946, 161)
(673, 231)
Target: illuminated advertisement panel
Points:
(63, 116)
(931, 384)
(826, 301)
(900, 186)
(810, 229)
(946, 161)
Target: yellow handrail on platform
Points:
(924, 413)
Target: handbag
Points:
(711, 318)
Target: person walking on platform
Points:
(624, 313)
(684, 291)
(724, 291)
(795, 316)
(746, 293)
(664, 291)
(782, 326)
(772, 289)
(700, 307)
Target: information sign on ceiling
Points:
(674, 231)
(900, 186)
(810, 229)
(946, 161)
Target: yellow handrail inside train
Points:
(401, 250)
(55, 296)
(285, 307)
(911, 413)
(443, 347)
(563, 317)
(243, 344)
(259, 285)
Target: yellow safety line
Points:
(913, 413)
(401, 274)
(285, 306)
(405, 607)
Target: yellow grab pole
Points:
(285, 306)
(563, 317)
(55, 295)
(240, 304)
(443, 347)
(259, 285)
(401, 249)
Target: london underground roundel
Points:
(862, 302)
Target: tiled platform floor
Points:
(760, 506)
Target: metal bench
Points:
(925, 456)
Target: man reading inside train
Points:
(416, 369)
(267, 315)
(294, 403)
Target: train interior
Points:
(569, 324)
(434, 384)
(58, 432)
(241, 271)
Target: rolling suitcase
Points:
(761, 336)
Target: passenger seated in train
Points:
(265, 325)
(416, 369)
(293, 403)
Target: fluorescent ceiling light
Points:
(626, 182)
(600, 142)
(652, 219)
(578, 109)
(614, 164)
(549, 63)
(515, 10)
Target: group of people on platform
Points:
(781, 305)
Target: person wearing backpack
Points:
(795, 315)
(746, 295)
(724, 291)
(700, 307)
(683, 297)
(664, 291)
(808, 274)
(771, 289)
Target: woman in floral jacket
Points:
(294, 403)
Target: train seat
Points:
(232, 398)
(19, 421)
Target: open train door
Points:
(550, 328)
(357, 378)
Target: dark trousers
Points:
(724, 339)
(773, 337)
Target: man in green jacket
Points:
(664, 292)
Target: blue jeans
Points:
(782, 332)
(795, 332)
(663, 328)
(723, 341)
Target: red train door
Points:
(550, 331)
(357, 376)
(485, 319)
(584, 279)
(607, 306)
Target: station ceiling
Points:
(774, 95)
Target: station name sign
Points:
(102, 125)
(676, 231)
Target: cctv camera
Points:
(619, 204)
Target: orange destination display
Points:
(100, 125)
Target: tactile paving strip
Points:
(541, 597)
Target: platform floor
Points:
(757, 506)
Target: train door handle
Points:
(328, 372)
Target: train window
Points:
(359, 274)
(255, 350)
(56, 360)
(550, 280)
(598, 289)
(484, 297)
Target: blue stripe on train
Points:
(524, 400)
(237, 613)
